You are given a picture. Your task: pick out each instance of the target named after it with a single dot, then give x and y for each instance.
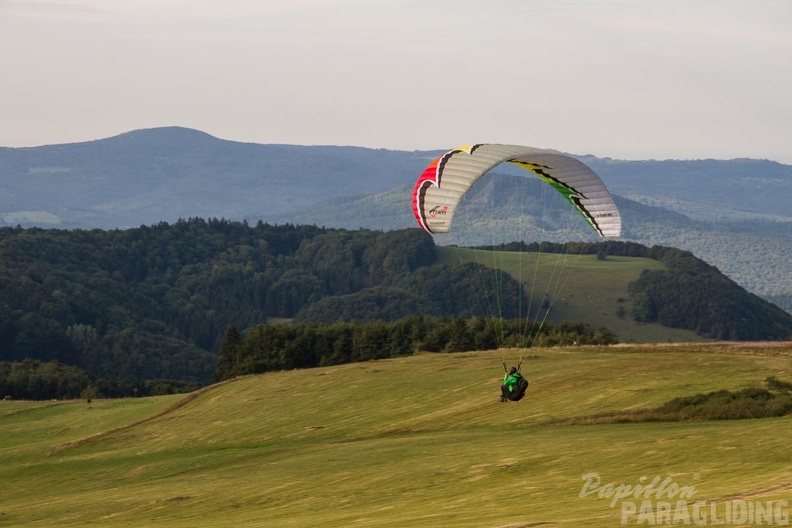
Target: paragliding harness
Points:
(518, 389)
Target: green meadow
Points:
(578, 288)
(419, 441)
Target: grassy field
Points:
(418, 441)
(580, 288)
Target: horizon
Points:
(358, 146)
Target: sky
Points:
(625, 79)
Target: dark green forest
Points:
(287, 346)
(693, 295)
(154, 302)
(150, 308)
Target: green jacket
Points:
(510, 380)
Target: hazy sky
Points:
(632, 79)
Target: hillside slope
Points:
(435, 448)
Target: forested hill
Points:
(143, 177)
(155, 302)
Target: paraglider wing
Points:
(447, 179)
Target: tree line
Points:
(154, 303)
(31, 379)
(292, 346)
(283, 346)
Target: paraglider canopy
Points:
(447, 179)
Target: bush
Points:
(725, 405)
(750, 403)
(776, 384)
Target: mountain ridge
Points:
(120, 181)
(735, 213)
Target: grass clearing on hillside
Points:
(581, 288)
(418, 441)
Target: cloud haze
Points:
(626, 79)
